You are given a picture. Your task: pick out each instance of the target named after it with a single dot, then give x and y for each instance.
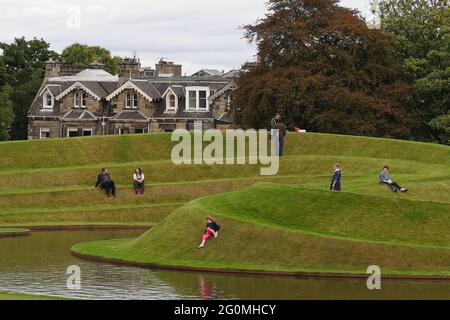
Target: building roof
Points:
(126, 115)
(88, 75)
(103, 86)
(207, 73)
(83, 115)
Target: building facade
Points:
(73, 103)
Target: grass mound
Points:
(270, 227)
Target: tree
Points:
(442, 126)
(83, 55)
(24, 62)
(6, 112)
(325, 70)
(421, 33)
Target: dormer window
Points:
(197, 98)
(80, 100)
(171, 102)
(48, 101)
(132, 101)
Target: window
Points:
(135, 101)
(44, 133)
(87, 132)
(73, 132)
(76, 101)
(48, 101)
(128, 101)
(203, 100)
(192, 100)
(132, 101)
(197, 98)
(139, 131)
(83, 100)
(171, 102)
(121, 131)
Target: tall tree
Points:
(324, 69)
(83, 55)
(6, 112)
(24, 62)
(421, 33)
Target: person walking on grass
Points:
(385, 178)
(104, 182)
(139, 181)
(212, 229)
(336, 178)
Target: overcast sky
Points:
(197, 33)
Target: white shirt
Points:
(136, 177)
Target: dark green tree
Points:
(421, 34)
(82, 55)
(24, 62)
(325, 70)
(6, 112)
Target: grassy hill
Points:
(295, 224)
(49, 182)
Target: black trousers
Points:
(138, 186)
(109, 187)
(394, 186)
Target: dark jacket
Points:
(282, 129)
(101, 179)
(213, 225)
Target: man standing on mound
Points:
(212, 229)
(385, 178)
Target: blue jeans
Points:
(281, 146)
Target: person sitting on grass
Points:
(212, 229)
(138, 181)
(336, 178)
(385, 178)
(105, 182)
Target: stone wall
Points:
(35, 125)
(92, 104)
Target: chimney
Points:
(165, 67)
(96, 64)
(130, 68)
(52, 68)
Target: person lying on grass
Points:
(104, 182)
(139, 181)
(385, 178)
(336, 178)
(212, 229)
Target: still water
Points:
(37, 265)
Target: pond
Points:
(37, 265)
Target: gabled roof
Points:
(54, 89)
(92, 88)
(134, 115)
(78, 115)
(228, 87)
(143, 87)
(176, 90)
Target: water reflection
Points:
(38, 264)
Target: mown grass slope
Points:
(289, 228)
(49, 182)
(295, 224)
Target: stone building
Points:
(73, 102)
